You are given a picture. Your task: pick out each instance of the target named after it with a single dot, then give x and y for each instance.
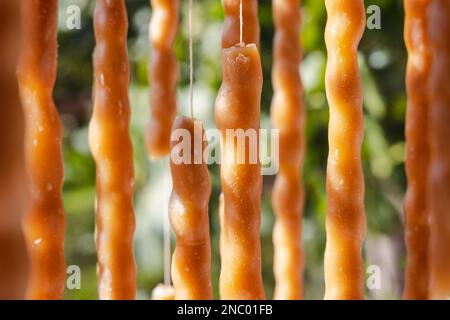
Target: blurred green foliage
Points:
(382, 61)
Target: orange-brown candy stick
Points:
(232, 32)
(439, 178)
(163, 74)
(44, 224)
(188, 210)
(12, 245)
(417, 149)
(110, 142)
(289, 117)
(250, 27)
(345, 222)
(238, 107)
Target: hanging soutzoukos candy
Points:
(44, 222)
(232, 22)
(188, 209)
(238, 108)
(13, 271)
(417, 215)
(345, 220)
(163, 76)
(439, 132)
(188, 206)
(110, 143)
(288, 115)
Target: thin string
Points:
(167, 251)
(241, 22)
(191, 64)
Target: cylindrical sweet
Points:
(163, 75)
(345, 221)
(44, 223)
(188, 210)
(232, 23)
(110, 143)
(12, 244)
(417, 149)
(288, 115)
(238, 111)
(439, 129)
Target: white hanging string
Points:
(241, 23)
(191, 64)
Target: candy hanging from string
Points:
(44, 224)
(439, 132)
(416, 205)
(238, 107)
(188, 208)
(288, 115)
(110, 143)
(345, 221)
(163, 76)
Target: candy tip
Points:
(242, 45)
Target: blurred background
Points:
(382, 61)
